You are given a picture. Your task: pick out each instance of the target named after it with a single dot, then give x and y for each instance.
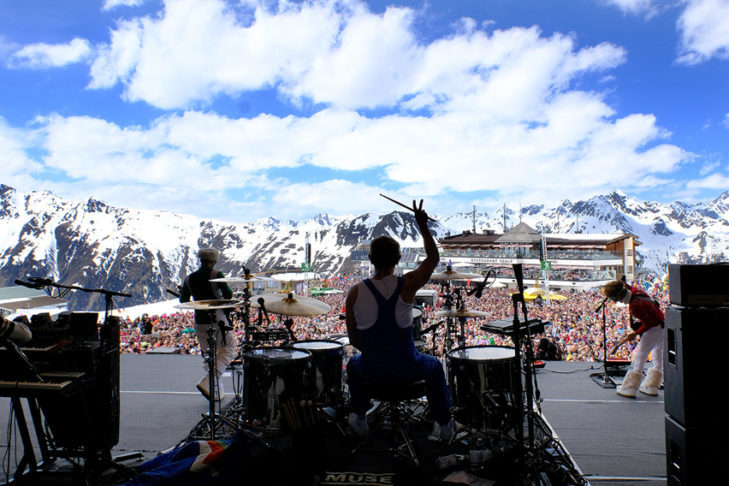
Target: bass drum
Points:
(274, 379)
(327, 369)
(482, 380)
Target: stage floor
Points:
(613, 440)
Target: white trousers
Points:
(224, 353)
(650, 342)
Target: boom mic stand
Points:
(533, 394)
(603, 379)
(98, 448)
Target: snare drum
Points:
(270, 373)
(482, 380)
(327, 369)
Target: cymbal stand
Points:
(453, 299)
(534, 457)
(216, 424)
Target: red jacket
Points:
(645, 309)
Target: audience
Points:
(574, 334)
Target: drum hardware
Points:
(450, 274)
(215, 420)
(519, 340)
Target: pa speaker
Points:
(695, 361)
(693, 457)
(699, 285)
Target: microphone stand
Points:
(603, 379)
(532, 390)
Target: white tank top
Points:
(365, 308)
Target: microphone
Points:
(42, 282)
(262, 302)
(176, 294)
(27, 284)
(519, 275)
(478, 291)
(602, 304)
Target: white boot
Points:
(630, 384)
(652, 382)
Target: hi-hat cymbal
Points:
(460, 313)
(291, 305)
(211, 304)
(452, 275)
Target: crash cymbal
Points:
(291, 305)
(239, 280)
(453, 275)
(211, 304)
(460, 313)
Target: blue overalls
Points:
(389, 354)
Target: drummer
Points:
(198, 286)
(379, 323)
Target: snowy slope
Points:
(141, 252)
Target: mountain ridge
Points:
(141, 252)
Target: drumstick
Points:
(403, 205)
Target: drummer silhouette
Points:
(379, 323)
(198, 286)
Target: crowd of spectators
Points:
(574, 332)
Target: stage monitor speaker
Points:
(693, 456)
(695, 360)
(699, 285)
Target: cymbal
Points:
(211, 304)
(460, 313)
(239, 280)
(452, 275)
(291, 305)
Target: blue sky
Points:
(238, 110)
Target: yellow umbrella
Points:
(532, 293)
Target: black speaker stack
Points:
(697, 425)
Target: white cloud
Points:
(345, 196)
(704, 30)
(41, 55)
(353, 59)
(635, 7)
(502, 113)
(16, 168)
(708, 167)
(714, 181)
(112, 4)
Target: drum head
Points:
(317, 345)
(483, 353)
(277, 354)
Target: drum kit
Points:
(288, 384)
(285, 382)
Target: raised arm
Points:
(420, 276)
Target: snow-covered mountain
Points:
(140, 252)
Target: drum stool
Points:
(393, 408)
